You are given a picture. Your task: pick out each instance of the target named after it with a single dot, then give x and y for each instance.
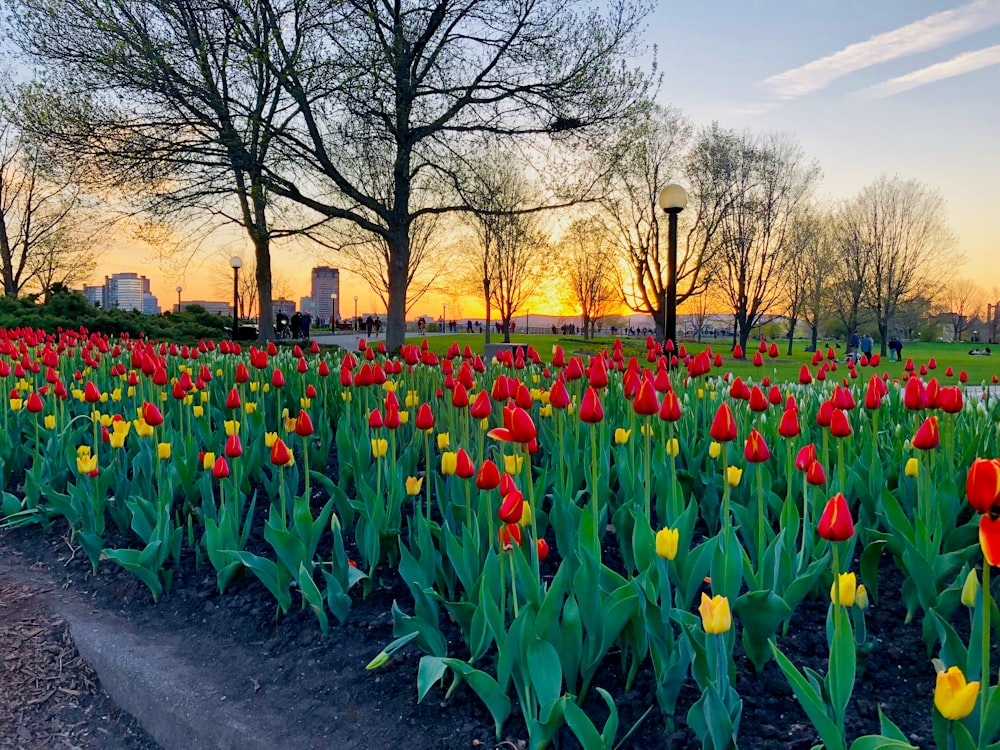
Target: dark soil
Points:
(321, 682)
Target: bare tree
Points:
(808, 272)
(898, 227)
(772, 179)
(368, 255)
(589, 272)
(511, 248)
(389, 96)
(963, 302)
(41, 212)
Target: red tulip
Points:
(914, 395)
(805, 377)
(34, 403)
(805, 457)
(303, 425)
(459, 397)
(989, 539)
(591, 410)
(756, 451)
(758, 401)
(598, 373)
(558, 395)
(927, 436)
(509, 535)
(758, 361)
(234, 448)
(464, 468)
(518, 427)
(815, 474)
(91, 394)
(645, 402)
(982, 485)
(242, 374)
(963, 377)
(723, 427)
(840, 427)
(232, 400)
(543, 549)
(512, 507)
(277, 378)
(670, 409)
(151, 414)
(737, 352)
(824, 415)
(425, 419)
(280, 455)
(221, 468)
(836, 525)
(488, 477)
(789, 425)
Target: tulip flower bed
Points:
(593, 550)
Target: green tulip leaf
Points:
(869, 567)
(761, 613)
(811, 702)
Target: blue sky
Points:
(868, 87)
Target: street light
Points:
(355, 312)
(179, 290)
(444, 315)
(672, 199)
(236, 262)
(333, 312)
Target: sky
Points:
(893, 87)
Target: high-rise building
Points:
(94, 294)
(124, 291)
(325, 284)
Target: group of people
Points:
(296, 327)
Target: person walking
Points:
(866, 345)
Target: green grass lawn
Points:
(979, 368)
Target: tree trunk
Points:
(883, 328)
(814, 336)
(265, 319)
(586, 327)
(791, 334)
(399, 261)
(489, 322)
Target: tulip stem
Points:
(834, 672)
(724, 521)
(984, 691)
(534, 515)
(427, 470)
(513, 582)
(761, 535)
(841, 470)
(593, 473)
(646, 430)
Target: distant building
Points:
(94, 295)
(285, 306)
(124, 291)
(325, 284)
(308, 305)
(150, 305)
(212, 306)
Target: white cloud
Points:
(967, 62)
(926, 34)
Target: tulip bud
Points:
(861, 598)
(733, 475)
(622, 435)
(413, 485)
(715, 615)
(847, 583)
(714, 449)
(970, 589)
(836, 524)
(666, 543)
(380, 447)
(543, 550)
(912, 468)
(449, 462)
(672, 447)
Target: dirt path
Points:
(49, 696)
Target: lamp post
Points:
(672, 199)
(444, 316)
(355, 312)
(333, 312)
(236, 262)
(179, 290)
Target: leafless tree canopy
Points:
(964, 302)
(895, 237)
(589, 271)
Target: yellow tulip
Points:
(700, 393)
(305, 403)
(95, 416)
(105, 420)
(412, 399)
(83, 450)
(346, 396)
(673, 447)
(970, 589)
(666, 543)
(163, 396)
(380, 446)
(117, 439)
(267, 387)
(15, 404)
(413, 485)
(647, 430)
(714, 449)
(389, 386)
(130, 392)
(204, 397)
(715, 615)
(121, 426)
(861, 598)
(289, 425)
(545, 411)
(232, 426)
(404, 417)
(622, 435)
(87, 464)
(733, 475)
(250, 407)
(443, 441)
(512, 464)
(116, 394)
(208, 461)
(525, 515)
(187, 400)
(50, 421)
(163, 451)
(543, 396)
(269, 438)
(218, 372)
(912, 467)
(254, 386)
(571, 409)
(449, 462)
(142, 428)
(198, 411)
(953, 697)
(848, 589)
(484, 425)
(104, 397)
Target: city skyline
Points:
(894, 88)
